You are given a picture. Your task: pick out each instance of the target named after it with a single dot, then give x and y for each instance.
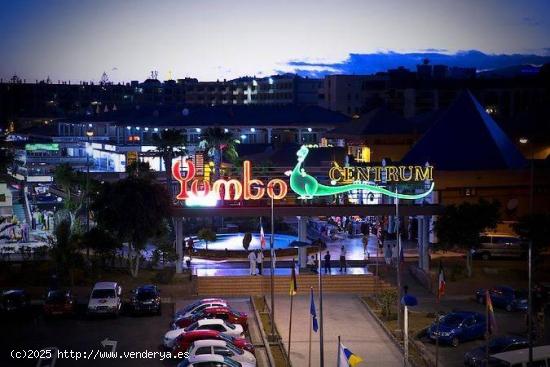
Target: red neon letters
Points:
(249, 189)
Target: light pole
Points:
(272, 277)
(524, 140)
(89, 134)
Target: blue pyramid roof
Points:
(464, 138)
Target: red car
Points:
(183, 341)
(59, 302)
(224, 313)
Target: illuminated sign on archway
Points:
(199, 192)
(202, 193)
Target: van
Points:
(520, 357)
(494, 245)
(106, 298)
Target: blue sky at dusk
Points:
(217, 39)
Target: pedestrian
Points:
(260, 261)
(387, 253)
(327, 262)
(343, 263)
(312, 264)
(252, 260)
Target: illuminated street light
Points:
(523, 140)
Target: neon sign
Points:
(202, 193)
(307, 186)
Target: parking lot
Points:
(508, 323)
(25, 333)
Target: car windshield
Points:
(231, 363)
(452, 320)
(227, 338)
(193, 326)
(521, 294)
(103, 293)
(230, 325)
(55, 296)
(234, 349)
(145, 294)
(189, 307)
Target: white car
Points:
(106, 298)
(212, 360)
(222, 348)
(199, 305)
(205, 324)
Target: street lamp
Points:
(524, 140)
(407, 301)
(89, 134)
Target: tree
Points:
(133, 210)
(218, 142)
(535, 228)
(6, 158)
(207, 235)
(461, 225)
(140, 170)
(102, 242)
(169, 145)
(72, 183)
(65, 250)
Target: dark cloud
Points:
(376, 62)
(530, 21)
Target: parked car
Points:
(106, 298)
(59, 302)
(14, 300)
(183, 342)
(224, 313)
(476, 357)
(199, 306)
(520, 357)
(212, 360)
(495, 245)
(505, 297)
(146, 298)
(222, 348)
(457, 327)
(205, 324)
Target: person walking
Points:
(252, 261)
(387, 253)
(327, 262)
(260, 261)
(343, 263)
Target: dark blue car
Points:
(505, 297)
(476, 357)
(457, 327)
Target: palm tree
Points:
(169, 145)
(217, 142)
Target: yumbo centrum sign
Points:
(198, 192)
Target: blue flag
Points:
(313, 313)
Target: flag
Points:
(491, 322)
(347, 358)
(293, 286)
(262, 235)
(440, 282)
(313, 313)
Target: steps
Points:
(19, 212)
(257, 285)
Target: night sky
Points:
(217, 39)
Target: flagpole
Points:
(338, 353)
(398, 258)
(487, 326)
(290, 317)
(321, 325)
(437, 317)
(310, 331)
(272, 278)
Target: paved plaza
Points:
(344, 315)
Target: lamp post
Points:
(89, 135)
(525, 140)
(407, 301)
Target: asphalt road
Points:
(80, 334)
